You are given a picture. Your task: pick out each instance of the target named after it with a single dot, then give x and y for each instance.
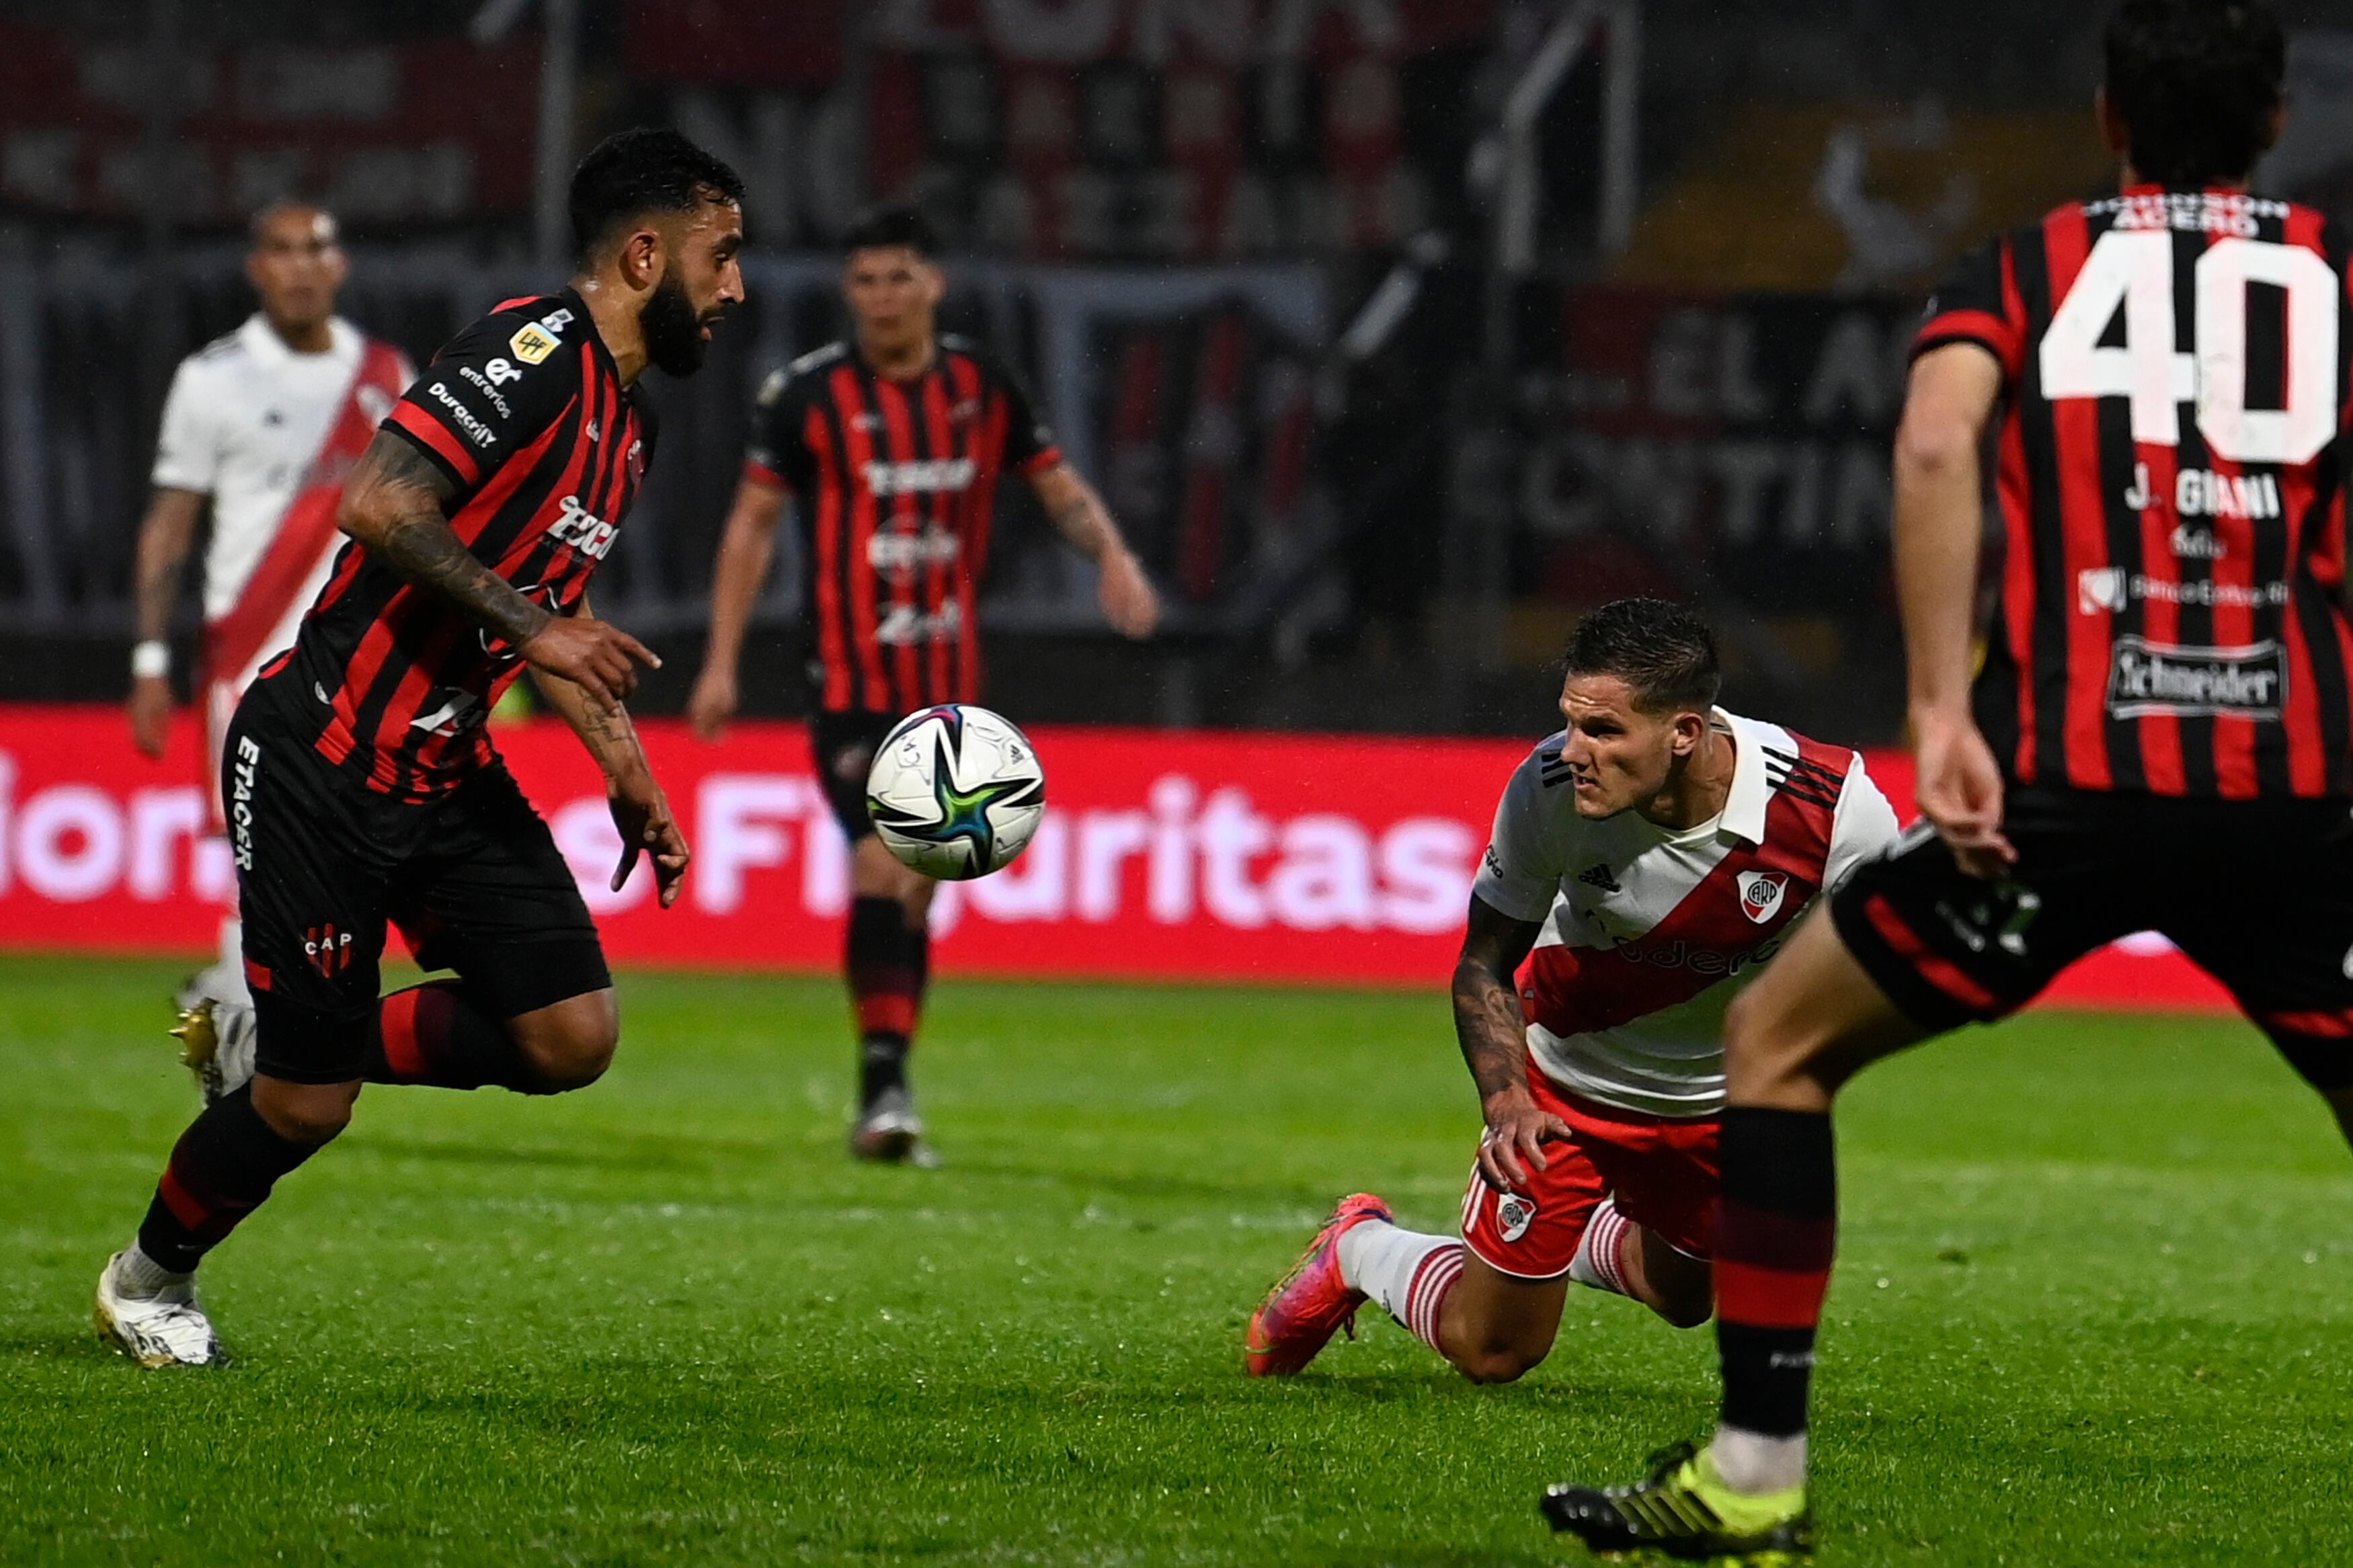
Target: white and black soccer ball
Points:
(956, 791)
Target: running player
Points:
(2158, 737)
(361, 785)
(263, 424)
(893, 441)
(1646, 861)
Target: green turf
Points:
(2095, 1304)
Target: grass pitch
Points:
(2096, 1303)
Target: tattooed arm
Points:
(641, 813)
(1079, 516)
(394, 505)
(1493, 1035)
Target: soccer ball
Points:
(956, 791)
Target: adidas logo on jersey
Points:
(1796, 777)
(1600, 876)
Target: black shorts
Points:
(2258, 894)
(474, 879)
(843, 745)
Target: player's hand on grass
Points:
(151, 714)
(1513, 1145)
(1129, 602)
(641, 815)
(711, 703)
(1959, 791)
(596, 656)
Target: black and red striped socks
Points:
(436, 1034)
(888, 964)
(1775, 1236)
(221, 1170)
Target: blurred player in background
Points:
(1647, 860)
(362, 782)
(892, 443)
(2159, 736)
(265, 424)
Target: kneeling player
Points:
(1646, 862)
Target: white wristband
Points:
(150, 660)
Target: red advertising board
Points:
(1164, 856)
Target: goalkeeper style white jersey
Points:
(248, 423)
(1648, 933)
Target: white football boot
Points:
(166, 1328)
(890, 1133)
(216, 1038)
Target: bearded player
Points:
(1646, 861)
(892, 443)
(263, 424)
(2166, 702)
(362, 787)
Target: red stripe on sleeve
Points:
(1983, 328)
(436, 439)
(761, 474)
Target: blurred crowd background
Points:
(1396, 331)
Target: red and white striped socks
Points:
(1406, 1272)
(1601, 1259)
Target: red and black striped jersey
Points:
(525, 414)
(895, 481)
(2172, 494)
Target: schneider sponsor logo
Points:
(926, 477)
(2194, 683)
(462, 417)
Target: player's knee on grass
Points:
(570, 1043)
(1501, 1355)
(310, 1114)
(1496, 1328)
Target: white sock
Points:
(1406, 1272)
(140, 1275)
(1601, 1259)
(1754, 1464)
(232, 943)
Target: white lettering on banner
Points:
(8, 805)
(738, 828)
(160, 819)
(1107, 841)
(584, 831)
(1217, 855)
(1035, 886)
(69, 843)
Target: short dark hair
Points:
(1663, 651)
(2196, 83)
(886, 226)
(647, 170)
(257, 227)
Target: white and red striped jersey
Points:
(244, 424)
(1648, 931)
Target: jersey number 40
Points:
(2159, 372)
